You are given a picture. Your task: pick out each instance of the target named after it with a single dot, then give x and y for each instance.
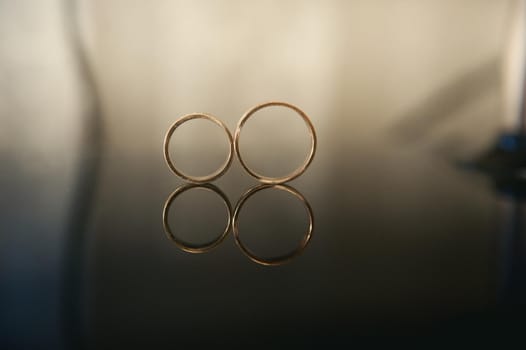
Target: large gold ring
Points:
(198, 179)
(187, 247)
(281, 259)
(295, 173)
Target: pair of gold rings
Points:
(233, 223)
(234, 146)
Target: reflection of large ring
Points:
(281, 259)
(295, 173)
(201, 248)
(198, 179)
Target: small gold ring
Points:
(281, 259)
(202, 248)
(198, 179)
(295, 173)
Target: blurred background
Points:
(405, 96)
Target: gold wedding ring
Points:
(281, 259)
(187, 247)
(295, 173)
(198, 179)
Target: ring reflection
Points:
(188, 247)
(233, 221)
(279, 260)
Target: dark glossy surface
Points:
(403, 243)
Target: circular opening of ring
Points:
(273, 225)
(275, 141)
(199, 147)
(196, 218)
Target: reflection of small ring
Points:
(198, 179)
(295, 173)
(202, 248)
(281, 259)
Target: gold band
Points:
(197, 179)
(295, 173)
(281, 259)
(202, 248)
